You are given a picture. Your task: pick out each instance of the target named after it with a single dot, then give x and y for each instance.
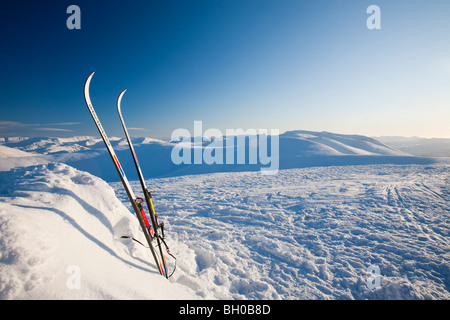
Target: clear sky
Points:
(263, 64)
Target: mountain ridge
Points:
(297, 149)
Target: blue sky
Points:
(263, 64)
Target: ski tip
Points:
(121, 95)
(88, 80)
(86, 89)
(91, 75)
(119, 100)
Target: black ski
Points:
(135, 202)
(157, 226)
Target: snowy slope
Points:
(55, 220)
(12, 157)
(7, 152)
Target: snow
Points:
(312, 231)
(297, 149)
(54, 218)
(327, 143)
(6, 152)
(424, 147)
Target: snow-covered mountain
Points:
(302, 142)
(297, 149)
(7, 152)
(423, 147)
(48, 145)
(308, 143)
(317, 230)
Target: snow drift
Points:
(55, 220)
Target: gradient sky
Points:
(263, 64)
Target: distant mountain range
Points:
(424, 147)
(296, 149)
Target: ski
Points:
(157, 226)
(135, 202)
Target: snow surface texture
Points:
(311, 233)
(304, 233)
(57, 223)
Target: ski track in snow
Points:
(309, 233)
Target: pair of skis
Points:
(153, 230)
